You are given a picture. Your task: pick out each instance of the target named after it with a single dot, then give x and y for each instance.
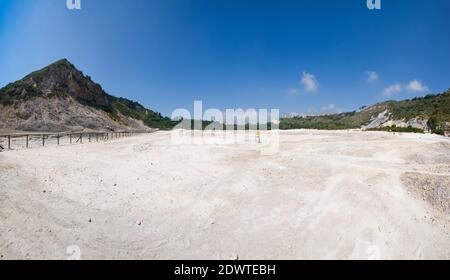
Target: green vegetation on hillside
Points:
(425, 107)
(326, 122)
(394, 128)
(137, 111)
(434, 108)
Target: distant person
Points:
(258, 136)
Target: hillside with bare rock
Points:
(429, 113)
(59, 98)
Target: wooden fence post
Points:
(9, 142)
(27, 141)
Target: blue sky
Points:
(298, 56)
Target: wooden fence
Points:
(11, 141)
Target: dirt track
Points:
(324, 195)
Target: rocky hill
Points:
(429, 113)
(60, 98)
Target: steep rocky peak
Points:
(61, 71)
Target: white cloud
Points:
(293, 115)
(293, 90)
(372, 76)
(309, 82)
(417, 86)
(392, 90)
(329, 107)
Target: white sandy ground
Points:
(324, 195)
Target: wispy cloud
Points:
(392, 90)
(413, 86)
(329, 109)
(372, 76)
(309, 82)
(417, 86)
(293, 90)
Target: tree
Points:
(432, 123)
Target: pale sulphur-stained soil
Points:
(323, 195)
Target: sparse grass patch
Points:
(394, 128)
